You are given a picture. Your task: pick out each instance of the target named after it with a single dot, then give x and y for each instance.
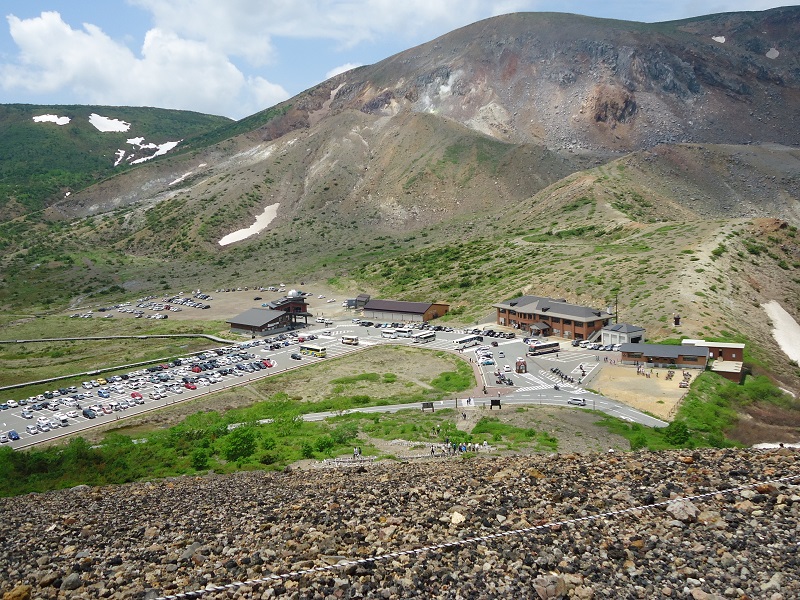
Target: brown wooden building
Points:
(396, 310)
(726, 358)
(664, 355)
(260, 321)
(550, 316)
(294, 304)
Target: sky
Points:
(237, 57)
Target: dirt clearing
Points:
(654, 394)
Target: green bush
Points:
(324, 444)
(200, 459)
(344, 432)
(239, 444)
(676, 433)
(307, 450)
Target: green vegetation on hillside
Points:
(709, 411)
(39, 162)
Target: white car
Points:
(507, 368)
(12, 404)
(3, 438)
(73, 414)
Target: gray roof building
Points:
(553, 307)
(256, 317)
(398, 306)
(623, 328)
(664, 350)
(406, 311)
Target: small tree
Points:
(239, 444)
(676, 433)
(200, 459)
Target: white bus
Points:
(313, 350)
(424, 337)
(468, 341)
(389, 333)
(546, 348)
(404, 332)
(351, 340)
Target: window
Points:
(689, 359)
(555, 319)
(567, 321)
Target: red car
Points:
(189, 385)
(196, 369)
(136, 395)
(268, 363)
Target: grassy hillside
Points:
(40, 162)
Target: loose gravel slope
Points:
(708, 524)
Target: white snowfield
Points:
(785, 329)
(261, 223)
(52, 119)
(107, 124)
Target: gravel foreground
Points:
(701, 525)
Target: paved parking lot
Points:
(570, 369)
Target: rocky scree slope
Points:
(720, 524)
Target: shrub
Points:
(676, 433)
(200, 459)
(307, 450)
(324, 444)
(239, 444)
(344, 432)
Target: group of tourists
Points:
(449, 448)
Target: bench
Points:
(428, 405)
(495, 402)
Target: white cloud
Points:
(245, 27)
(171, 72)
(341, 69)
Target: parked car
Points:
(31, 430)
(3, 438)
(13, 435)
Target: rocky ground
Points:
(708, 524)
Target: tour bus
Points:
(389, 333)
(546, 348)
(313, 350)
(466, 342)
(351, 340)
(404, 332)
(424, 337)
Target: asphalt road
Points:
(537, 386)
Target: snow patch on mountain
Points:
(185, 175)
(162, 149)
(51, 119)
(106, 124)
